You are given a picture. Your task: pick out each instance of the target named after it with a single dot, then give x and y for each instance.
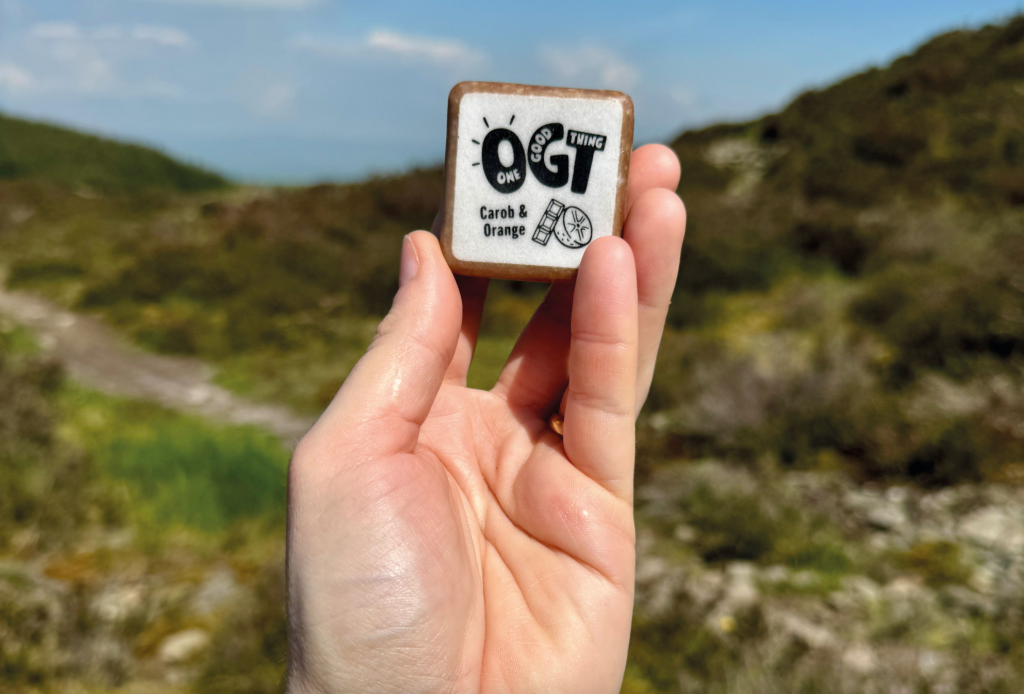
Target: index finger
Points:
(473, 291)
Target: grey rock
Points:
(887, 516)
(740, 584)
(118, 604)
(650, 568)
(996, 528)
(931, 663)
(684, 533)
(704, 589)
(860, 659)
(967, 602)
(219, 590)
(811, 635)
(896, 494)
(864, 588)
(775, 575)
(183, 646)
(982, 580)
(882, 512)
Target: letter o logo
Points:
(504, 179)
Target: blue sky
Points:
(302, 90)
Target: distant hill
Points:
(941, 126)
(37, 151)
(947, 118)
(849, 256)
(851, 292)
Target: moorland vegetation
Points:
(837, 406)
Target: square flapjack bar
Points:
(532, 176)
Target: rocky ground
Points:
(749, 578)
(105, 620)
(814, 583)
(747, 581)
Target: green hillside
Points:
(846, 257)
(831, 460)
(943, 125)
(852, 256)
(41, 152)
(946, 118)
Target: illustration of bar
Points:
(547, 222)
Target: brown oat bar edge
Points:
(507, 271)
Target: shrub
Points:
(944, 318)
(843, 245)
(739, 517)
(731, 525)
(46, 487)
(939, 563)
(30, 272)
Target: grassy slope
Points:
(848, 258)
(943, 123)
(845, 256)
(41, 152)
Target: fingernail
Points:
(410, 262)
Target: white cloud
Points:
(15, 78)
(159, 89)
(435, 50)
(80, 65)
(383, 43)
(588, 64)
(276, 100)
(83, 60)
(249, 4)
(56, 31)
(164, 36)
(89, 70)
(142, 33)
(325, 47)
(682, 97)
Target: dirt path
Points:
(98, 357)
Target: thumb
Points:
(389, 393)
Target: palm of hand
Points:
(443, 538)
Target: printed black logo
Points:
(509, 179)
(585, 144)
(504, 179)
(545, 135)
(570, 225)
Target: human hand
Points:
(444, 539)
